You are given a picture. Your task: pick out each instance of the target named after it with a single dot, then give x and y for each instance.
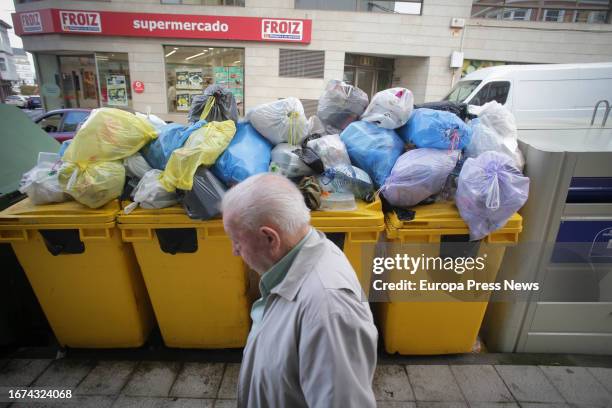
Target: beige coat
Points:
(316, 344)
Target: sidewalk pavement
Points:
(173, 384)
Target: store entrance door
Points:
(79, 83)
(368, 73)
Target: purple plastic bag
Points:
(490, 190)
(417, 175)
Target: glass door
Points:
(366, 81)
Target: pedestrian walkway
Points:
(173, 384)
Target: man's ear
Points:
(271, 236)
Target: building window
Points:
(2, 64)
(237, 3)
(398, 7)
(301, 63)
(569, 11)
(114, 79)
(189, 70)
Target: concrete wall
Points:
(422, 45)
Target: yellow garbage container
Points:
(356, 232)
(450, 324)
(85, 278)
(197, 287)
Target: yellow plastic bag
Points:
(109, 134)
(203, 147)
(93, 184)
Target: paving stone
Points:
(544, 405)
(189, 403)
(152, 379)
(429, 404)
(229, 384)
(433, 383)
(528, 384)
(391, 384)
(75, 402)
(577, 385)
(395, 404)
(604, 375)
(65, 374)
(139, 402)
(226, 403)
(21, 372)
(198, 380)
(480, 383)
(494, 405)
(107, 378)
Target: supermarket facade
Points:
(156, 54)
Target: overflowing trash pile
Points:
(352, 149)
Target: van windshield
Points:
(462, 90)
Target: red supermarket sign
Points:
(110, 23)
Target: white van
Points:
(541, 96)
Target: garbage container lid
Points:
(67, 213)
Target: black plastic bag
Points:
(311, 159)
(458, 108)
(203, 201)
(222, 105)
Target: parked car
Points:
(62, 123)
(34, 102)
(17, 100)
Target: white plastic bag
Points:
(490, 190)
(136, 166)
(331, 150)
(417, 175)
(495, 130)
(41, 183)
(390, 109)
(155, 121)
(287, 163)
(315, 126)
(149, 193)
(280, 121)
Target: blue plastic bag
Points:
(171, 137)
(372, 148)
(436, 129)
(248, 154)
(490, 190)
(63, 147)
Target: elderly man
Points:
(313, 341)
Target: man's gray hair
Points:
(267, 199)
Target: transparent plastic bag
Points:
(109, 134)
(436, 129)
(93, 184)
(490, 190)
(495, 130)
(202, 148)
(372, 149)
(149, 193)
(41, 183)
(390, 109)
(417, 175)
(216, 104)
(249, 153)
(280, 121)
(288, 163)
(340, 104)
(136, 166)
(348, 179)
(315, 127)
(331, 150)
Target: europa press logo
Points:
(282, 29)
(80, 21)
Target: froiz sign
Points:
(282, 29)
(81, 21)
(31, 22)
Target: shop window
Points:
(238, 3)
(576, 11)
(301, 63)
(401, 7)
(189, 70)
(2, 64)
(114, 80)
